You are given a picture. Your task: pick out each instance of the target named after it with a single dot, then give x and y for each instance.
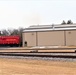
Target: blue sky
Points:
(23, 13)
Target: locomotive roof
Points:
(52, 27)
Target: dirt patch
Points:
(36, 67)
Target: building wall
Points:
(30, 38)
(51, 38)
(71, 37)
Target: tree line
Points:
(68, 22)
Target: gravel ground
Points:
(36, 67)
(40, 58)
(71, 54)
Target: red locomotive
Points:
(9, 40)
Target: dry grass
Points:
(36, 67)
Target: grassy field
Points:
(36, 67)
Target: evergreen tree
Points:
(69, 22)
(63, 22)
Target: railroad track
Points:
(39, 48)
(53, 55)
(35, 53)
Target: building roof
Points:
(53, 27)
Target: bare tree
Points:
(0, 33)
(4, 32)
(20, 29)
(15, 32)
(10, 31)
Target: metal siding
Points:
(30, 38)
(51, 38)
(71, 38)
(23, 38)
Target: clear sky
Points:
(23, 13)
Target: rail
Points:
(41, 48)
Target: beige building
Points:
(50, 35)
